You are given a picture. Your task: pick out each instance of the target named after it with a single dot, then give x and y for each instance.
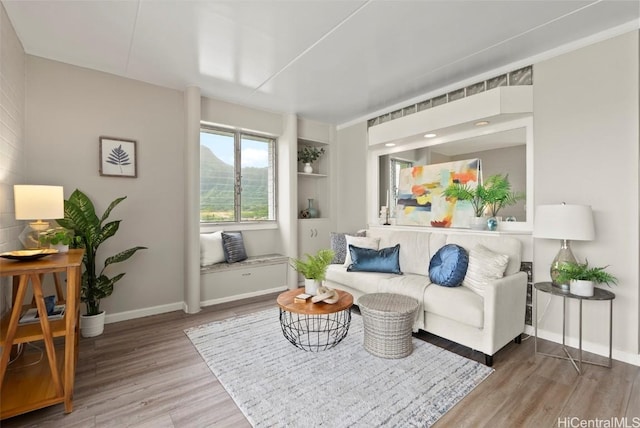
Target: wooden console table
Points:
(51, 380)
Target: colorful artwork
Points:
(420, 199)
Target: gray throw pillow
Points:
(339, 245)
(233, 245)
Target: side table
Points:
(599, 294)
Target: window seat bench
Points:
(255, 276)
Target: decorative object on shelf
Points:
(498, 194)
(492, 224)
(564, 222)
(581, 277)
(312, 211)
(25, 255)
(90, 232)
(118, 157)
(313, 268)
(309, 154)
(304, 213)
(57, 238)
(510, 218)
(35, 202)
(326, 295)
(384, 216)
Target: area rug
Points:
(276, 384)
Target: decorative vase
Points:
(92, 325)
(308, 168)
(311, 286)
(478, 223)
(313, 213)
(492, 223)
(60, 247)
(581, 288)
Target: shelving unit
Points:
(315, 185)
(51, 380)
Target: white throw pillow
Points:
(362, 242)
(484, 266)
(211, 250)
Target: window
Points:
(237, 176)
(394, 179)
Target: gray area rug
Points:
(278, 385)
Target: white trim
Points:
(144, 312)
(242, 296)
(532, 60)
(214, 227)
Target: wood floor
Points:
(146, 373)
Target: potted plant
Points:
(476, 196)
(57, 238)
(581, 277)
(308, 155)
(498, 194)
(313, 268)
(90, 232)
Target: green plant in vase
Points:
(498, 194)
(581, 278)
(307, 155)
(58, 238)
(313, 268)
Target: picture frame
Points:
(118, 157)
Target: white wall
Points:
(352, 175)
(12, 159)
(68, 109)
(586, 152)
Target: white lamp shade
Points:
(33, 202)
(564, 221)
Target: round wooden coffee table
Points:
(314, 326)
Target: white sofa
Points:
(484, 323)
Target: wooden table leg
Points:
(71, 338)
(18, 298)
(46, 333)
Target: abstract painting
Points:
(420, 194)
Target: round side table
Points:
(388, 320)
(598, 294)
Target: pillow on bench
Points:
(211, 251)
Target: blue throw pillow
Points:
(449, 265)
(386, 260)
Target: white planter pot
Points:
(308, 168)
(92, 325)
(311, 286)
(60, 247)
(581, 288)
(478, 223)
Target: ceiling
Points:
(331, 61)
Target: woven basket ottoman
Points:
(388, 320)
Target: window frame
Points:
(238, 135)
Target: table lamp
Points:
(34, 202)
(564, 222)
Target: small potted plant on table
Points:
(308, 155)
(313, 268)
(58, 238)
(581, 277)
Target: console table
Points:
(51, 380)
(598, 295)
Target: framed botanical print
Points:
(118, 157)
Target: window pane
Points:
(216, 176)
(257, 173)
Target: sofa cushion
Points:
(385, 260)
(447, 302)
(414, 248)
(448, 266)
(362, 242)
(233, 245)
(365, 282)
(211, 251)
(484, 266)
(506, 245)
(339, 245)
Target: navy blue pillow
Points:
(449, 265)
(386, 260)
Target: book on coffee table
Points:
(301, 298)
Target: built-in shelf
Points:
(312, 175)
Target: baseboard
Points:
(594, 348)
(242, 296)
(144, 312)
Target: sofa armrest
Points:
(504, 309)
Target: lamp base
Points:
(564, 256)
(30, 235)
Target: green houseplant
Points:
(498, 193)
(58, 238)
(308, 155)
(90, 232)
(581, 277)
(313, 268)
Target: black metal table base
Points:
(315, 332)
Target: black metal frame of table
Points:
(315, 332)
(599, 294)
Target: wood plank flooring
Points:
(146, 373)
